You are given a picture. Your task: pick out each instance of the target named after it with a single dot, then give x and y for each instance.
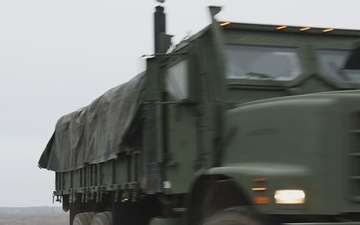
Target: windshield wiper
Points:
(260, 75)
(272, 79)
(340, 72)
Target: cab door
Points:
(181, 137)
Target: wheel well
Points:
(212, 193)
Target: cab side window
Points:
(176, 80)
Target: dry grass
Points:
(33, 216)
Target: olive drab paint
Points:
(231, 114)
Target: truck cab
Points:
(268, 114)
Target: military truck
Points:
(237, 124)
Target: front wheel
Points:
(103, 218)
(236, 216)
(83, 218)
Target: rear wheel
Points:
(83, 218)
(236, 216)
(103, 218)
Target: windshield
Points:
(332, 63)
(260, 62)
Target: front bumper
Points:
(325, 223)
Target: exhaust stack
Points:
(159, 27)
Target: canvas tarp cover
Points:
(95, 133)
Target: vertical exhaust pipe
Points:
(159, 27)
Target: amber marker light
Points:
(281, 27)
(259, 189)
(304, 28)
(260, 179)
(328, 30)
(224, 23)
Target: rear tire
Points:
(236, 216)
(103, 218)
(83, 218)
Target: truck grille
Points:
(354, 159)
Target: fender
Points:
(244, 183)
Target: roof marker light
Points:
(281, 27)
(224, 23)
(304, 28)
(328, 30)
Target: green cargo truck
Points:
(237, 124)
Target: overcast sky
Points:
(57, 56)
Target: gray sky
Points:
(57, 56)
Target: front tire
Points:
(83, 218)
(103, 218)
(236, 216)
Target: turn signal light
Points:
(261, 200)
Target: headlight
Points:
(289, 196)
